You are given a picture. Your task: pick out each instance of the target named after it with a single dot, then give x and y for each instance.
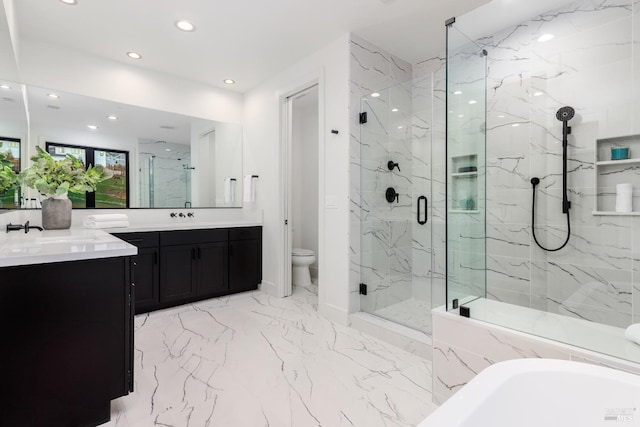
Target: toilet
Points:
(301, 260)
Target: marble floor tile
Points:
(254, 360)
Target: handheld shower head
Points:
(565, 114)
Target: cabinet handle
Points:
(199, 253)
(155, 257)
(193, 253)
(230, 249)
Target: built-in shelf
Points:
(467, 174)
(609, 173)
(463, 211)
(611, 213)
(618, 162)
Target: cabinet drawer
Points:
(147, 239)
(245, 233)
(187, 237)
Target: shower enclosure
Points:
(511, 68)
(397, 217)
(165, 175)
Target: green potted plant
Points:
(8, 178)
(54, 179)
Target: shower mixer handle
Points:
(391, 165)
(391, 195)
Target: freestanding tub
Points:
(543, 393)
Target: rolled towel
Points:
(632, 333)
(106, 224)
(107, 217)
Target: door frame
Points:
(285, 101)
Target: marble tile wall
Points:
(172, 184)
(592, 65)
(464, 347)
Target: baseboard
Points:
(335, 314)
(268, 288)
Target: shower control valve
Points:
(392, 165)
(190, 214)
(181, 215)
(172, 215)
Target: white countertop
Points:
(186, 225)
(40, 247)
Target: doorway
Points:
(301, 190)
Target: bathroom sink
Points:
(65, 239)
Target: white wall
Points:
(262, 117)
(305, 174)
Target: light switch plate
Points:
(331, 202)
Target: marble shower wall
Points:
(592, 65)
(172, 178)
(387, 252)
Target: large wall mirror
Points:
(158, 159)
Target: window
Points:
(10, 199)
(111, 193)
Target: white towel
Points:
(249, 189)
(228, 190)
(107, 218)
(106, 224)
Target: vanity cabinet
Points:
(176, 267)
(67, 341)
(145, 269)
(245, 258)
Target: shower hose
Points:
(535, 182)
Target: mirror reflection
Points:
(158, 159)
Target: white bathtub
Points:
(543, 393)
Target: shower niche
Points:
(464, 184)
(617, 161)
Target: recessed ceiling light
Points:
(134, 55)
(5, 87)
(185, 25)
(53, 95)
(473, 101)
(501, 116)
(460, 116)
(229, 81)
(458, 92)
(70, 2)
(515, 125)
(375, 95)
(545, 38)
(394, 110)
(538, 94)
(92, 127)
(167, 149)
(400, 127)
(112, 117)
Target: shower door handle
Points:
(426, 204)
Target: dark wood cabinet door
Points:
(146, 269)
(177, 273)
(212, 269)
(245, 264)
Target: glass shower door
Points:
(466, 169)
(395, 190)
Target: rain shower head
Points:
(565, 114)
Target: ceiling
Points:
(245, 40)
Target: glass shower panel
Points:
(466, 169)
(395, 190)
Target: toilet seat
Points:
(301, 252)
